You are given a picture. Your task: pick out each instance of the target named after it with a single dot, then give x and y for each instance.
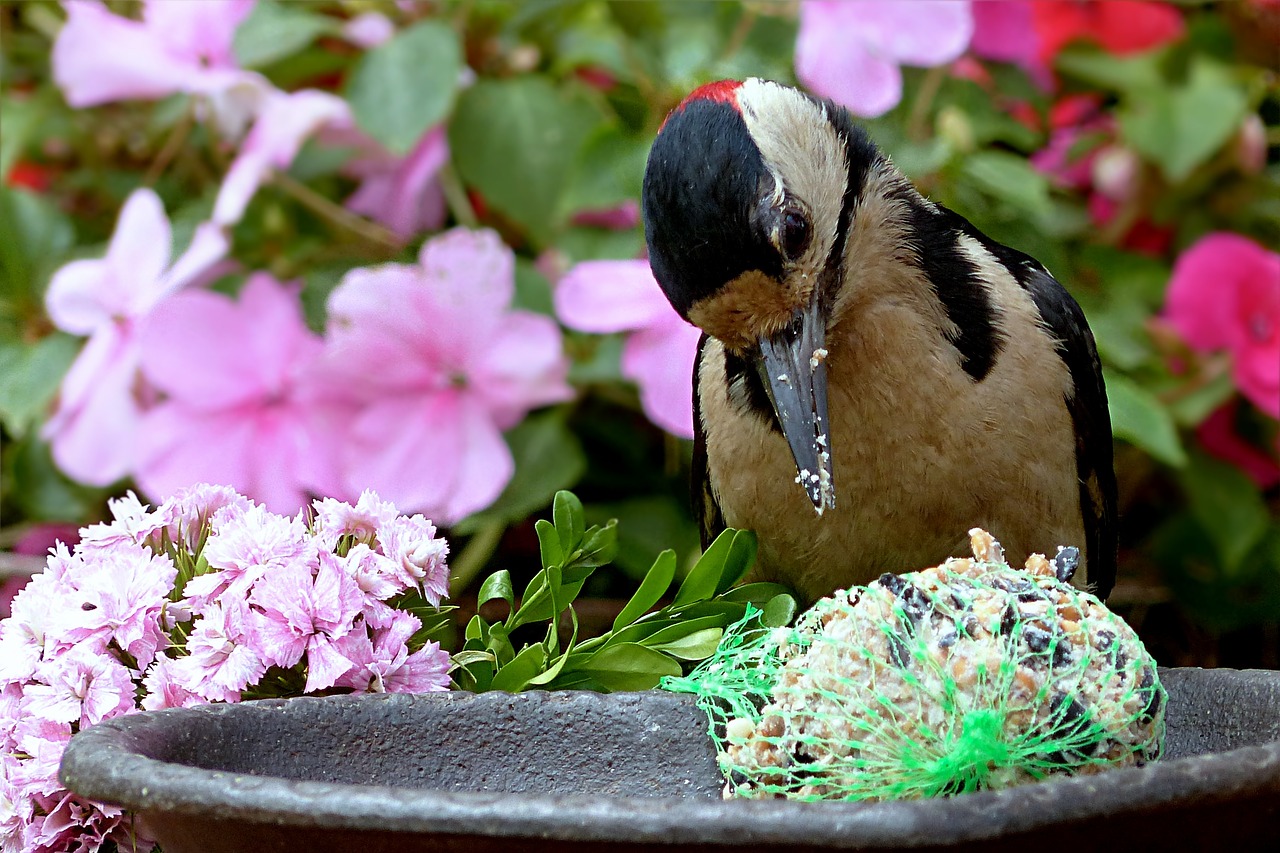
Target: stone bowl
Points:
(631, 772)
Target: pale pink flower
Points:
(368, 29)
(402, 192)
(220, 661)
(133, 523)
(163, 688)
(183, 46)
(850, 51)
(93, 430)
(119, 598)
(191, 513)
(335, 519)
(616, 296)
(1225, 294)
(243, 548)
(382, 663)
(417, 556)
(298, 613)
(440, 366)
(284, 122)
(83, 686)
(30, 634)
(239, 405)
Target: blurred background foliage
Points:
(550, 108)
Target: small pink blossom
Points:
(284, 122)
(163, 688)
(82, 687)
(335, 519)
(93, 430)
(417, 556)
(1225, 294)
(100, 57)
(221, 660)
(240, 403)
(439, 366)
(368, 29)
(850, 52)
(402, 192)
(243, 548)
(382, 663)
(616, 296)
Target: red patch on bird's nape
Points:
(721, 91)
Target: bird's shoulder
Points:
(706, 507)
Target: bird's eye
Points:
(794, 236)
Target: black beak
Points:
(792, 364)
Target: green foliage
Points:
(643, 645)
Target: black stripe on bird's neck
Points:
(746, 390)
(956, 280)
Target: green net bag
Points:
(967, 676)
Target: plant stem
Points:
(929, 86)
(335, 213)
(171, 147)
(455, 195)
(474, 556)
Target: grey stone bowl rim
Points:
(100, 766)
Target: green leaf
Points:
(608, 172)
(497, 585)
(695, 646)
(1132, 75)
(31, 377)
(516, 675)
(1010, 178)
(549, 548)
(402, 87)
(273, 31)
(1228, 505)
(629, 666)
(599, 545)
(652, 588)
(1181, 127)
(567, 512)
(34, 235)
(514, 141)
(702, 580)
(742, 555)
(780, 610)
(1140, 419)
(548, 458)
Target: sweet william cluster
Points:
(207, 598)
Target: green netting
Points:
(966, 676)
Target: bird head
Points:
(748, 196)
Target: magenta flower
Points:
(99, 57)
(402, 192)
(93, 430)
(1225, 294)
(440, 366)
(615, 296)
(382, 663)
(298, 613)
(284, 122)
(850, 51)
(240, 406)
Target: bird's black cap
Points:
(701, 187)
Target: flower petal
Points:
(661, 362)
(610, 296)
(140, 246)
(832, 64)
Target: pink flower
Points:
(177, 47)
(440, 367)
(335, 519)
(382, 663)
(284, 121)
(850, 52)
(615, 296)
(417, 557)
(300, 614)
(220, 661)
(368, 29)
(93, 430)
(1225, 294)
(240, 404)
(402, 192)
(243, 548)
(81, 687)
(1218, 435)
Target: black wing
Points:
(706, 509)
(1095, 467)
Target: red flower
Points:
(1225, 294)
(1119, 26)
(1218, 436)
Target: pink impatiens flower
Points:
(440, 366)
(402, 192)
(616, 296)
(240, 406)
(100, 57)
(850, 51)
(93, 430)
(1225, 294)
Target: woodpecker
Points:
(876, 376)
